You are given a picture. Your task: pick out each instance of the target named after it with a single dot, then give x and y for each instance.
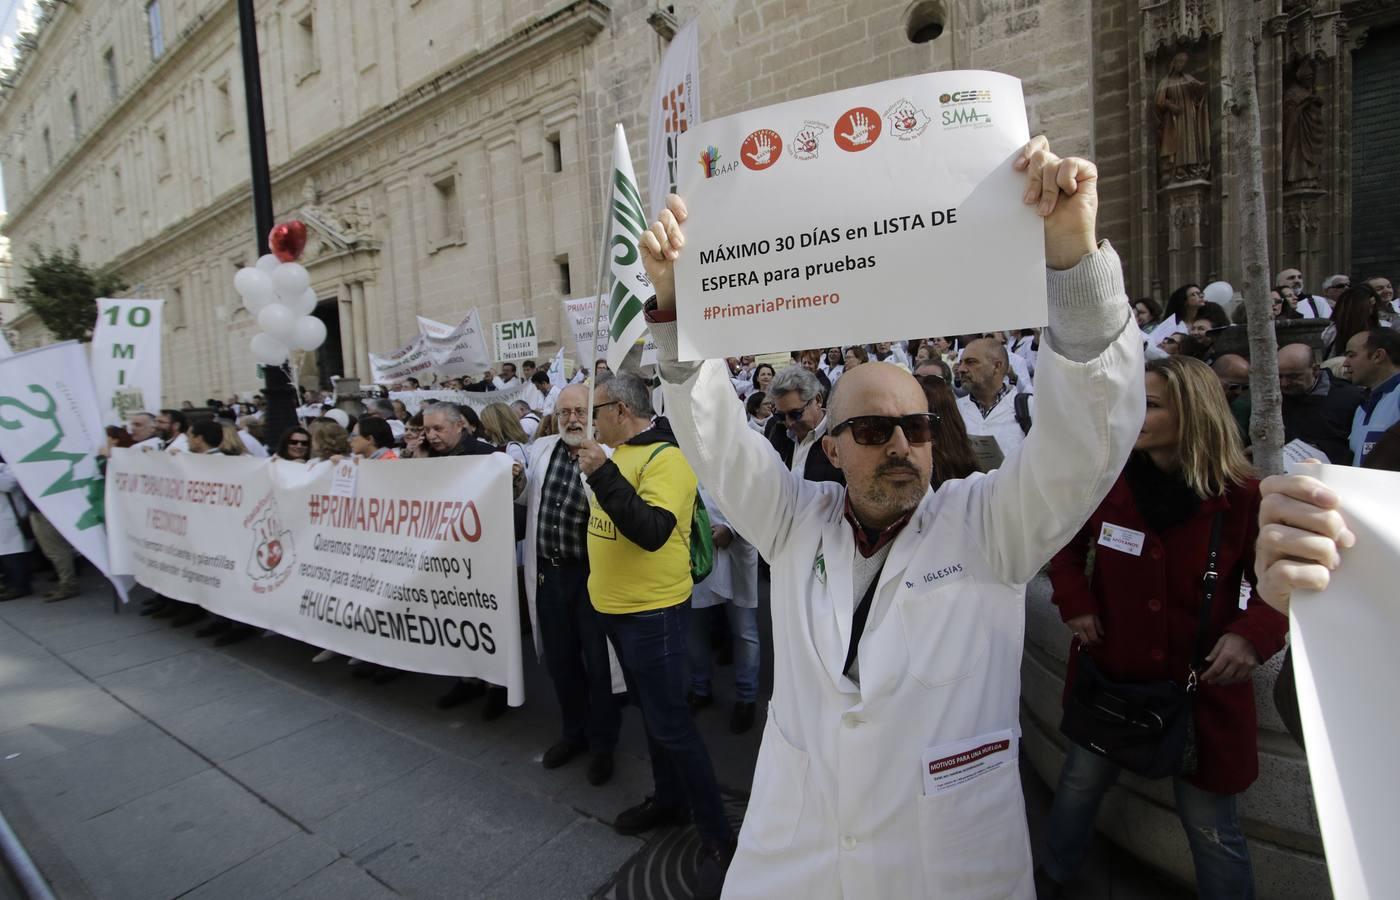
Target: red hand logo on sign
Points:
(858, 129)
(761, 149)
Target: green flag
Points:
(628, 285)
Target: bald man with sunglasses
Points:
(888, 764)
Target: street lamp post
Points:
(280, 413)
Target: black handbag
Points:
(1148, 728)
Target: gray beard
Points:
(571, 439)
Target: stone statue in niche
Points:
(1304, 136)
(1183, 125)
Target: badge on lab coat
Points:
(1124, 540)
(951, 766)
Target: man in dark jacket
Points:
(445, 432)
(1317, 409)
(798, 424)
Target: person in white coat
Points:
(15, 542)
(733, 585)
(568, 631)
(888, 763)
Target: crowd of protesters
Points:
(600, 609)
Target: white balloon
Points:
(267, 262)
(278, 321)
(249, 282)
(291, 281)
(268, 350)
(1219, 292)
(310, 333)
(304, 305)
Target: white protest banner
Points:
(456, 350)
(410, 360)
(1344, 643)
(675, 106)
(516, 340)
(126, 358)
(589, 343)
(415, 571)
(885, 208)
(477, 400)
(50, 432)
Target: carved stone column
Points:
(1187, 227)
(359, 346)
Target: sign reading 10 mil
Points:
(515, 340)
(126, 349)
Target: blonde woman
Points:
(500, 426)
(1135, 619)
(328, 438)
(232, 444)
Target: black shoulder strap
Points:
(1022, 402)
(1208, 584)
(858, 620)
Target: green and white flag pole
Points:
(622, 278)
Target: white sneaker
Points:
(325, 656)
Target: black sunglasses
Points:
(601, 405)
(872, 431)
(793, 415)
(298, 443)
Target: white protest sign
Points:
(126, 358)
(675, 106)
(50, 432)
(589, 344)
(343, 478)
(477, 400)
(456, 350)
(884, 210)
(1344, 643)
(516, 340)
(1299, 451)
(412, 359)
(415, 571)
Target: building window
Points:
(109, 65)
(76, 115)
(556, 152)
(223, 109)
(447, 212)
(566, 280)
(153, 24)
(308, 61)
(48, 146)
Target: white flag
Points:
(50, 432)
(628, 285)
(675, 106)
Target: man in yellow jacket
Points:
(641, 504)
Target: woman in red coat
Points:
(1137, 616)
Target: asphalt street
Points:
(138, 761)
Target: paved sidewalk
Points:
(137, 761)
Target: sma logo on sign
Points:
(514, 331)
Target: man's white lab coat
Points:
(838, 806)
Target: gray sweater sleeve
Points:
(1088, 305)
(1088, 310)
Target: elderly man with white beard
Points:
(888, 764)
(568, 630)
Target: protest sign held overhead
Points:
(881, 208)
(456, 350)
(516, 340)
(477, 400)
(126, 357)
(411, 567)
(675, 106)
(50, 432)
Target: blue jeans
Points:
(743, 627)
(1212, 823)
(652, 649)
(576, 655)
